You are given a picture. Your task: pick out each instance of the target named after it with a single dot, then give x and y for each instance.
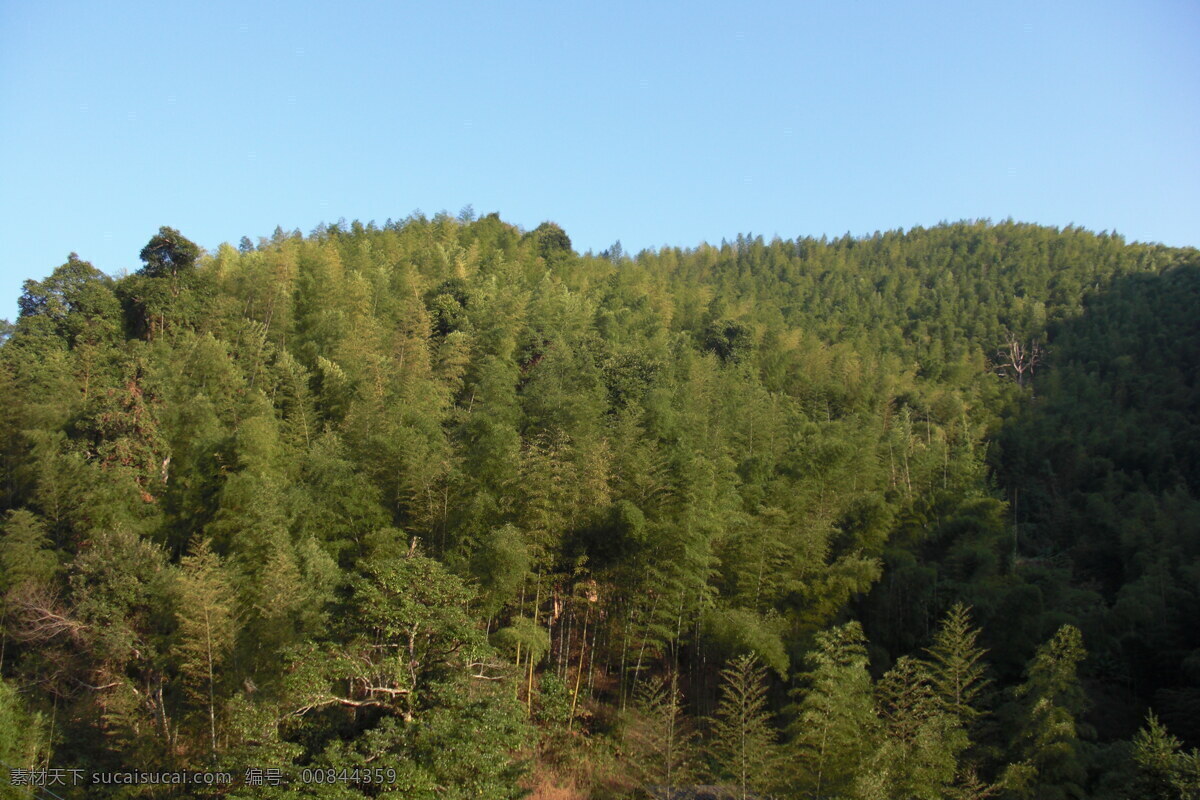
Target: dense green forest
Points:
(444, 509)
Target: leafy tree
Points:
(956, 667)
(168, 253)
(1051, 700)
(26, 553)
(523, 637)
(920, 740)
(207, 630)
(166, 292)
(417, 612)
(122, 433)
(106, 636)
(26, 743)
(742, 744)
(730, 449)
(77, 304)
(835, 724)
(552, 241)
(736, 632)
(730, 340)
(467, 745)
(500, 564)
(659, 738)
(1166, 770)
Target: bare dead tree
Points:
(40, 616)
(1018, 359)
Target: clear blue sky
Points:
(660, 124)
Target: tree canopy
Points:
(905, 515)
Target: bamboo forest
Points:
(442, 508)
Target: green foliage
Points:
(121, 433)
(742, 746)
(956, 667)
(523, 637)
(729, 340)
(26, 741)
(1051, 700)
(417, 611)
(659, 740)
(1166, 770)
(77, 302)
(704, 455)
(500, 564)
(736, 633)
(1103, 472)
(553, 701)
(835, 725)
(466, 746)
(920, 740)
(168, 253)
(26, 554)
(470, 745)
(552, 241)
(207, 630)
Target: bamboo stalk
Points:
(579, 671)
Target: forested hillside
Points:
(912, 515)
